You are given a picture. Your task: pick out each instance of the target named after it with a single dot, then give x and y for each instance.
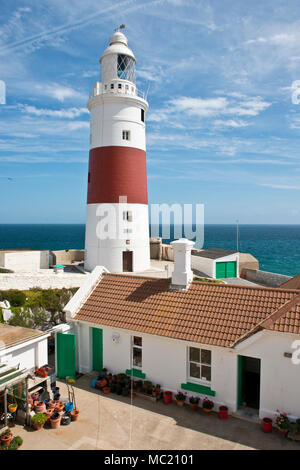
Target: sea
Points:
(277, 247)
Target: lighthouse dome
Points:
(117, 60)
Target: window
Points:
(89, 177)
(119, 85)
(126, 135)
(127, 230)
(142, 115)
(105, 87)
(199, 364)
(112, 86)
(137, 351)
(127, 215)
(126, 67)
(126, 87)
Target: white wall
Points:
(280, 378)
(208, 266)
(25, 261)
(108, 252)
(29, 355)
(165, 362)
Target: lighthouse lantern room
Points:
(117, 226)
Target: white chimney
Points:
(182, 275)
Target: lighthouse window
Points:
(126, 67)
(142, 115)
(119, 85)
(127, 215)
(126, 135)
(111, 86)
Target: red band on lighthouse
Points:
(117, 171)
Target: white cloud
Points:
(69, 113)
(60, 92)
(230, 123)
(280, 186)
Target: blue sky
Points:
(222, 129)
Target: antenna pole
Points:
(237, 235)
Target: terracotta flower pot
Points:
(180, 402)
(59, 406)
(49, 413)
(132, 395)
(194, 406)
(38, 426)
(106, 390)
(283, 432)
(55, 422)
(51, 405)
(6, 440)
(74, 414)
(40, 407)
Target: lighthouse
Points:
(117, 224)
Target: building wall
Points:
(280, 378)
(27, 355)
(265, 278)
(165, 363)
(25, 261)
(67, 256)
(205, 265)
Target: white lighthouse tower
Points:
(117, 226)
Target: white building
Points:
(24, 260)
(232, 343)
(117, 226)
(216, 263)
(25, 347)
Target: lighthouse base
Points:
(125, 248)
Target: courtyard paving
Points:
(110, 422)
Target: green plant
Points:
(39, 418)
(180, 396)
(16, 298)
(293, 428)
(282, 420)
(194, 400)
(207, 404)
(19, 440)
(13, 445)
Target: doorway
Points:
(127, 261)
(248, 382)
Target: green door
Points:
(231, 269)
(225, 269)
(65, 355)
(241, 390)
(97, 339)
(220, 270)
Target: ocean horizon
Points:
(276, 246)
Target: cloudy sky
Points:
(222, 129)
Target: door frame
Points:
(131, 261)
(241, 362)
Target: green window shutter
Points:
(197, 388)
(136, 373)
(97, 347)
(65, 355)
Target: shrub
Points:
(180, 396)
(19, 440)
(194, 400)
(282, 420)
(207, 403)
(16, 298)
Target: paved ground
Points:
(239, 281)
(109, 422)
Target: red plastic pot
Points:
(267, 424)
(223, 412)
(168, 397)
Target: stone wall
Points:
(264, 278)
(66, 256)
(26, 281)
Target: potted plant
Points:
(207, 405)
(282, 423)
(38, 421)
(180, 398)
(106, 390)
(267, 424)
(194, 403)
(148, 387)
(19, 440)
(139, 386)
(40, 407)
(168, 397)
(6, 437)
(55, 419)
(13, 445)
(74, 414)
(223, 412)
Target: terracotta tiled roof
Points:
(215, 314)
(293, 283)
